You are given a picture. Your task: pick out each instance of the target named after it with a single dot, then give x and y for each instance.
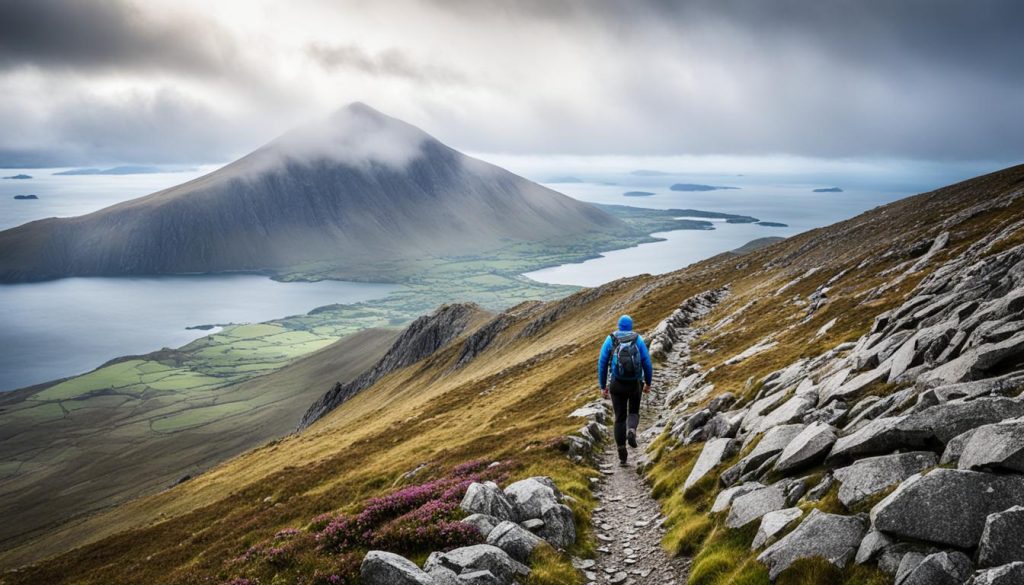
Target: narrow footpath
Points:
(628, 520)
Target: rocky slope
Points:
(846, 411)
(351, 196)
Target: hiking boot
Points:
(622, 455)
(631, 438)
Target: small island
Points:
(637, 194)
(696, 187)
(19, 176)
(772, 224)
(122, 170)
(828, 190)
(648, 173)
(25, 197)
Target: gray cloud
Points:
(924, 79)
(107, 34)
(390, 62)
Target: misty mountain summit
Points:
(335, 198)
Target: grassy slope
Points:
(511, 402)
(270, 404)
(167, 404)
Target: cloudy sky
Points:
(204, 81)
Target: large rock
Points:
(529, 496)
(945, 421)
(975, 361)
(791, 411)
(1002, 540)
(712, 454)
(483, 522)
(770, 445)
(773, 523)
(512, 538)
(873, 543)
(942, 568)
(946, 506)
(879, 436)
(996, 446)
(1011, 574)
(753, 505)
(853, 386)
(383, 568)
(479, 578)
(478, 557)
(830, 536)
(726, 496)
(809, 447)
(487, 498)
(870, 476)
(559, 527)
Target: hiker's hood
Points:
(625, 323)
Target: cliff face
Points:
(346, 195)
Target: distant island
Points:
(637, 194)
(648, 173)
(21, 176)
(828, 190)
(122, 170)
(565, 180)
(695, 187)
(25, 197)
(772, 224)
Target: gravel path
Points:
(628, 520)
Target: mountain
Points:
(339, 197)
(861, 382)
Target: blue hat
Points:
(625, 323)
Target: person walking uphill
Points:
(625, 354)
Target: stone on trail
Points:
(559, 527)
(512, 538)
(867, 477)
(384, 568)
(1011, 574)
(830, 536)
(483, 522)
(946, 506)
(809, 447)
(997, 446)
(487, 498)
(712, 454)
(942, 568)
(752, 506)
(772, 524)
(478, 557)
(1002, 540)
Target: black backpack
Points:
(626, 364)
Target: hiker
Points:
(626, 354)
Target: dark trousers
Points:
(626, 404)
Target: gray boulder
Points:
(942, 568)
(945, 421)
(855, 385)
(443, 576)
(867, 477)
(487, 498)
(975, 361)
(830, 536)
(529, 496)
(559, 527)
(512, 538)
(946, 506)
(712, 454)
(478, 557)
(483, 522)
(479, 578)
(773, 523)
(1011, 574)
(879, 436)
(955, 448)
(726, 496)
(809, 447)
(873, 543)
(791, 411)
(752, 506)
(1002, 540)
(771, 444)
(996, 446)
(383, 568)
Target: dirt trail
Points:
(628, 520)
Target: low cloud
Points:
(390, 62)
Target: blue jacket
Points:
(606, 357)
